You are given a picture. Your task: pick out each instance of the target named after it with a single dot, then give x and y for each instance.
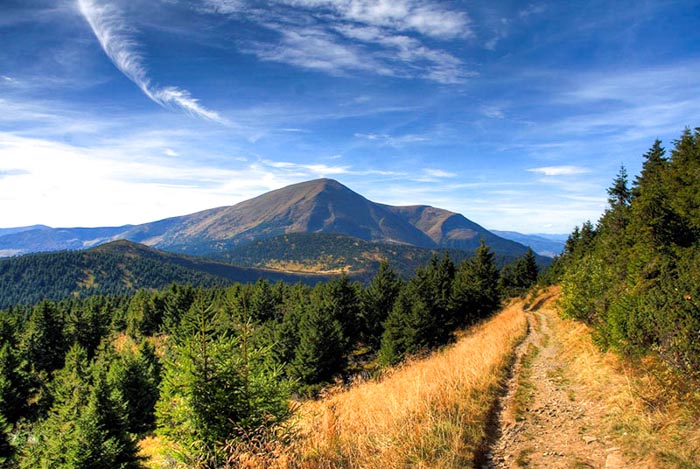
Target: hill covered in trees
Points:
(335, 254)
(117, 268)
(635, 275)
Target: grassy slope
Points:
(428, 413)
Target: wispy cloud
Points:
(427, 18)
(115, 36)
(438, 173)
(393, 140)
(568, 170)
(383, 37)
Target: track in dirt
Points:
(538, 421)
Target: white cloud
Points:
(426, 18)
(170, 152)
(115, 37)
(64, 185)
(567, 170)
(393, 140)
(438, 173)
(314, 48)
(493, 111)
(338, 37)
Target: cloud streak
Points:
(559, 170)
(115, 37)
(383, 37)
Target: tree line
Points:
(635, 275)
(82, 380)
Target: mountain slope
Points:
(318, 206)
(116, 268)
(549, 247)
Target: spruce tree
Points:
(43, 343)
(475, 292)
(136, 378)
(377, 301)
(214, 387)
(14, 387)
(320, 353)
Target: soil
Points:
(552, 428)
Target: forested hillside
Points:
(120, 267)
(635, 275)
(335, 254)
(208, 369)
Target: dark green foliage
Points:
(144, 315)
(475, 291)
(422, 316)
(319, 353)
(135, 377)
(376, 302)
(635, 276)
(409, 327)
(214, 386)
(87, 323)
(43, 344)
(14, 386)
(518, 277)
(85, 427)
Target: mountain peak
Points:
(317, 206)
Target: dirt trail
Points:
(541, 423)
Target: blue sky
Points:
(515, 114)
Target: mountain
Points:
(7, 231)
(318, 206)
(117, 268)
(544, 245)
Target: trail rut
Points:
(540, 420)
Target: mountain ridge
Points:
(316, 206)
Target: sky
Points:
(516, 114)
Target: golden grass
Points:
(647, 411)
(429, 413)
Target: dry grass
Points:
(429, 413)
(653, 414)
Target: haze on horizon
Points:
(516, 115)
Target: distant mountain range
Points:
(318, 206)
(548, 245)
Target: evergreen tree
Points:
(475, 292)
(320, 353)
(410, 327)
(43, 344)
(517, 277)
(144, 315)
(14, 388)
(377, 301)
(136, 378)
(88, 323)
(85, 428)
(214, 386)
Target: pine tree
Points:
(410, 327)
(377, 301)
(43, 344)
(14, 388)
(320, 353)
(213, 387)
(136, 378)
(475, 292)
